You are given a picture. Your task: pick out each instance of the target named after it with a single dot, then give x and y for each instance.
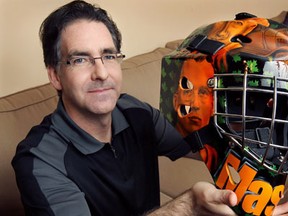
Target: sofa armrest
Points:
(173, 45)
(178, 176)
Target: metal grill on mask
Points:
(252, 111)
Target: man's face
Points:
(193, 100)
(88, 90)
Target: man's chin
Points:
(193, 125)
(195, 121)
(103, 106)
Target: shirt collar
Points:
(83, 141)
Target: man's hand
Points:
(202, 199)
(208, 200)
(281, 209)
(205, 199)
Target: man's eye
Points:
(109, 57)
(78, 61)
(203, 91)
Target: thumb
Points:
(209, 199)
(228, 197)
(210, 193)
(223, 196)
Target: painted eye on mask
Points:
(186, 84)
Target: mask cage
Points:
(254, 118)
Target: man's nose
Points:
(194, 100)
(99, 70)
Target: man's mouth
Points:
(99, 87)
(98, 90)
(194, 119)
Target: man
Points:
(193, 100)
(97, 153)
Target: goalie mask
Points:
(245, 143)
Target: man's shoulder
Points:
(33, 138)
(127, 101)
(37, 132)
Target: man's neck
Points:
(98, 126)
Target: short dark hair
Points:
(52, 26)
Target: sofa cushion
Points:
(178, 176)
(18, 113)
(142, 75)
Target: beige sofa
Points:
(20, 111)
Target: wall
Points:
(145, 25)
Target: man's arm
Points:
(205, 199)
(202, 199)
(45, 190)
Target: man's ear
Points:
(175, 100)
(54, 78)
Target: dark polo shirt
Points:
(62, 170)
